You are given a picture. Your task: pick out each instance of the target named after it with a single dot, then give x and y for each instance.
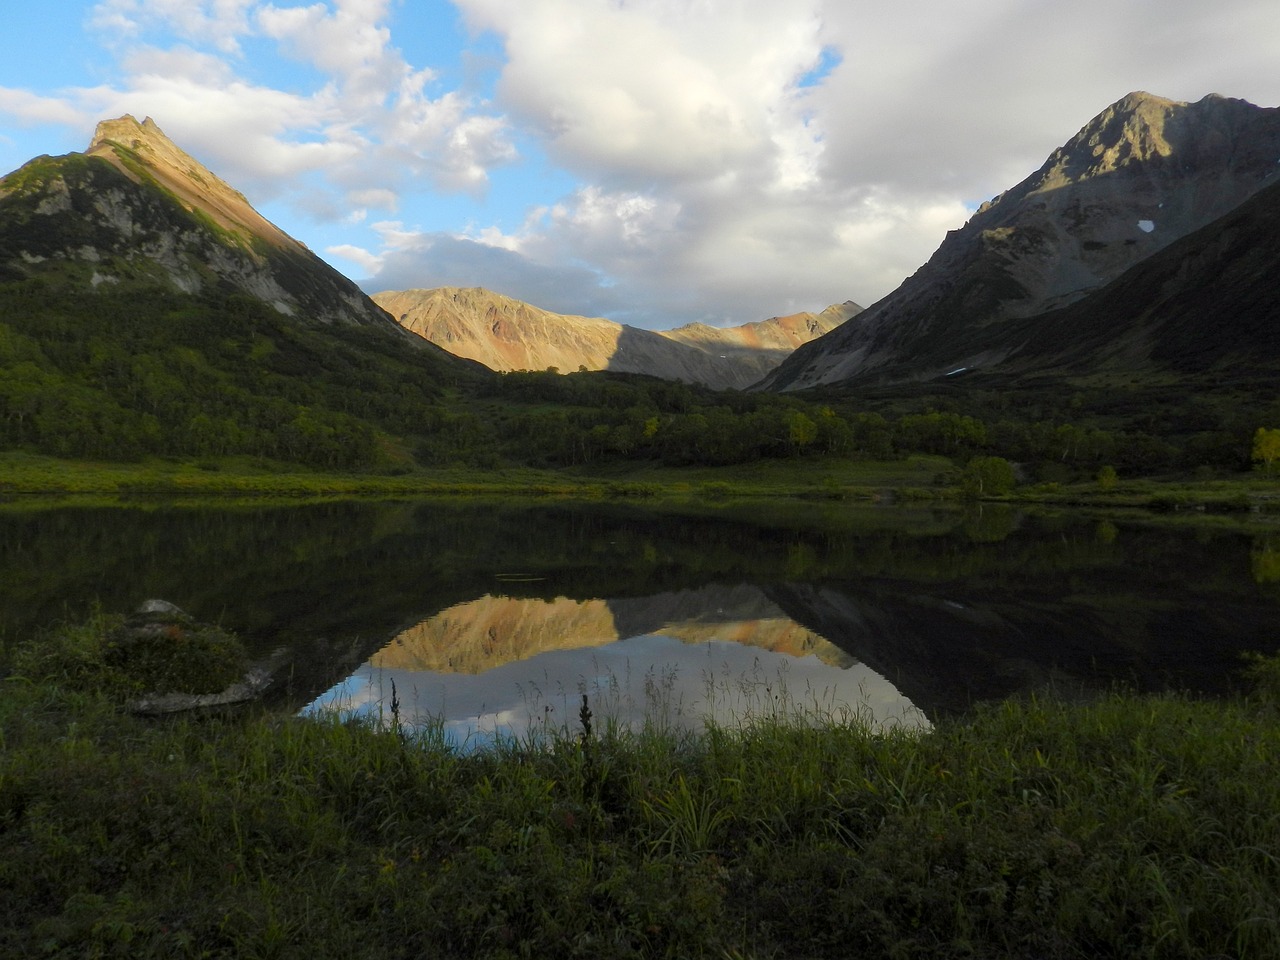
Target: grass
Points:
(27, 475)
(1239, 494)
(918, 476)
(250, 478)
(1120, 827)
(914, 478)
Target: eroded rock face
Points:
(138, 208)
(1141, 175)
(506, 334)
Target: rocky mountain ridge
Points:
(134, 207)
(1140, 176)
(506, 334)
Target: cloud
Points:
(656, 161)
(30, 108)
(624, 94)
(740, 158)
(692, 128)
(969, 99)
(425, 259)
(219, 23)
(368, 123)
(636, 259)
(699, 133)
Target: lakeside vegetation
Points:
(1123, 826)
(913, 477)
(140, 377)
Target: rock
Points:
(160, 607)
(256, 682)
(182, 663)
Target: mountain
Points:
(506, 334)
(1142, 175)
(147, 308)
(1205, 305)
(136, 207)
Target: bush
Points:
(987, 477)
(122, 658)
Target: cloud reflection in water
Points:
(709, 664)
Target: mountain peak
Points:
(136, 208)
(1137, 99)
(1133, 129)
(1141, 174)
(129, 145)
(1141, 129)
(127, 128)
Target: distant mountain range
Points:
(506, 334)
(152, 213)
(1141, 249)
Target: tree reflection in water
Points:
(949, 606)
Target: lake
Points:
(496, 618)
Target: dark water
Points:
(488, 613)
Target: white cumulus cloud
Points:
(369, 124)
(656, 161)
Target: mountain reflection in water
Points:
(953, 607)
(509, 666)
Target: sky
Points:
(656, 162)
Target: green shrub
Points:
(988, 477)
(111, 655)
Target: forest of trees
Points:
(584, 418)
(218, 376)
(153, 373)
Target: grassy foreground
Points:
(1124, 827)
(917, 477)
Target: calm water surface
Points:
(495, 619)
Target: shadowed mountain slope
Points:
(1143, 174)
(1207, 303)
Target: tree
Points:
(1107, 478)
(1266, 447)
(801, 431)
(834, 434)
(987, 476)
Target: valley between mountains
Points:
(1025, 505)
(1115, 313)
(506, 334)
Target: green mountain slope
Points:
(145, 308)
